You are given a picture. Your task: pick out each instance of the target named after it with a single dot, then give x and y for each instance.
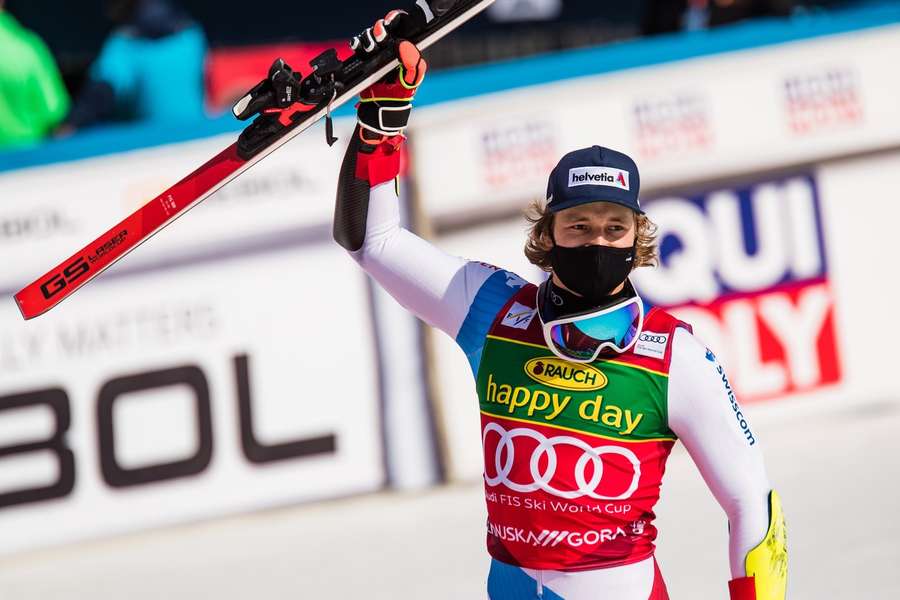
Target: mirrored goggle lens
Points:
(582, 339)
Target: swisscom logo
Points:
(560, 374)
(599, 176)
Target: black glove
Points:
(384, 108)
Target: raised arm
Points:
(705, 415)
(435, 286)
(439, 288)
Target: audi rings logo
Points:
(506, 458)
(653, 338)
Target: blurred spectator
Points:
(150, 68)
(663, 16)
(504, 11)
(33, 99)
(723, 12)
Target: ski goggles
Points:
(581, 338)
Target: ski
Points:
(285, 104)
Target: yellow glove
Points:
(765, 565)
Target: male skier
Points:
(582, 393)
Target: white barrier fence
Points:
(210, 372)
(688, 122)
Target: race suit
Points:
(574, 453)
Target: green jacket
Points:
(33, 99)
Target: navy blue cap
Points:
(594, 174)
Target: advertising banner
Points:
(685, 122)
(183, 394)
(748, 268)
(211, 372)
(49, 212)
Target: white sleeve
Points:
(435, 286)
(704, 414)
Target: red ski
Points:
(286, 106)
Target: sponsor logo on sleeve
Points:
(519, 316)
(652, 344)
(514, 281)
(599, 176)
(738, 414)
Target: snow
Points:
(836, 468)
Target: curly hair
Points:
(540, 238)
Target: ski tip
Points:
(28, 312)
(25, 314)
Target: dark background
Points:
(79, 27)
(75, 30)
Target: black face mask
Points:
(592, 271)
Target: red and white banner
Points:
(748, 268)
(685, 122)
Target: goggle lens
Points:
(582, 339)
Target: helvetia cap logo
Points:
(599, 176)
(564, 375)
